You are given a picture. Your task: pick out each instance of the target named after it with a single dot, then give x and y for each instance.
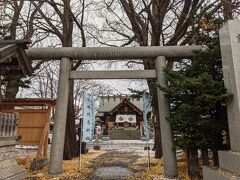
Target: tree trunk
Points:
(227, 10)
(215, 158)
(12, 80)
(71, 148)
(157, 139)
(12, 86)
(193, 164)
(205, 157)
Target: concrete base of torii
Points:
(229, 161)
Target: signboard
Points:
(147, 101)
(88, 119)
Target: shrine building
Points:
(120, 112)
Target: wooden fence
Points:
(33, 123)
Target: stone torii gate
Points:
(158, 54)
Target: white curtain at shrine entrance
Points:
(121, 118)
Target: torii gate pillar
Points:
(169, 152)
(229, 161)
(55, 168)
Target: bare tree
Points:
(61, 23)
(44, 85)
(13, 26)
(156, 23)
(39, 20)
(228, 7)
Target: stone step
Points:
(13, 173)
(124, 134)
(7, 155)
(218, 174)
(113, 173)
(8, 142)
(7, 149)
(7, 163)
(19, 176)
(230, 161)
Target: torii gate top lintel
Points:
(110, 53)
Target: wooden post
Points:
(169, 152)
(46, 140)
(60, 118)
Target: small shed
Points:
(34, 120)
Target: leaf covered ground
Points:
(133, 160)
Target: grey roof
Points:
(107, 103)
(13, 58)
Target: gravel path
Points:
(116, 163)
(117, 160)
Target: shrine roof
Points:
(13, 59)
(107, 103)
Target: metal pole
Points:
(148, 154)
(81, 135)
(80, 146)
(169, 152)
(97, 140)
(0, 92)
(60, 118)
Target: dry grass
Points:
(70, 168)
(156, 169)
